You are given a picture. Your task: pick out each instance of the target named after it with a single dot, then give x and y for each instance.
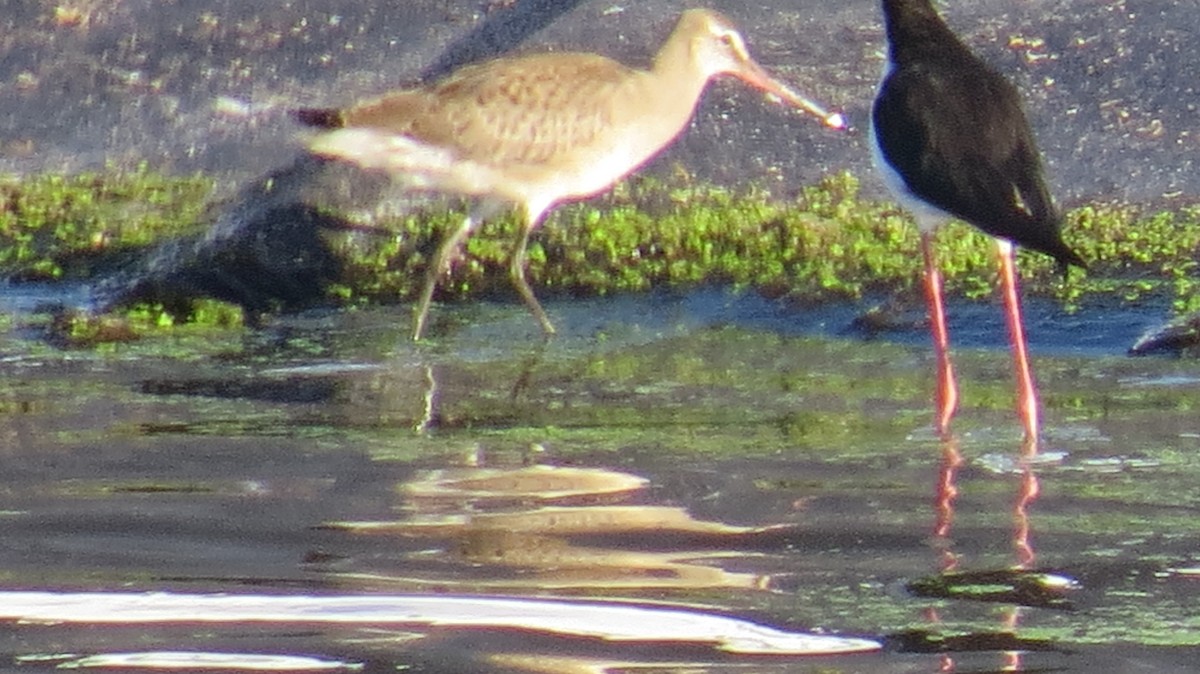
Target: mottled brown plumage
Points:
(538, 130)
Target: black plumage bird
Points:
(951, 141)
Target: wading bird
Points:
(951, 141)
(534, 131)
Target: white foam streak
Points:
(603, 620)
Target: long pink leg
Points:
(1027, 398)
(945, 496)
(946, 395)
(1022, 530)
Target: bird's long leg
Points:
(944, 500)
(946, 395)
(446, 254)
(516, 270)
(1027, 397)
(1022, 528)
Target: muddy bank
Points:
(202, 85)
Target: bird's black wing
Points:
(959, 139)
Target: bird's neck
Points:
(673, 86)
(914, 29)
(677, 72)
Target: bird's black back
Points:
(954, 129)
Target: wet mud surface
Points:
(188, 86)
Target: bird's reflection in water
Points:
(557, 527)
(1019, 586)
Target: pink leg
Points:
(1027, 399)
(946, 394)
(945, 495)
(1022, 539)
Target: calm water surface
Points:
(714, 455)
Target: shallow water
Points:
(711, 453)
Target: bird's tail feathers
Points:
(414, 164)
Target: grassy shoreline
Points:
(829, 243)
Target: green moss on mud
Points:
(75, 329)
(830, 243)
(54, 226)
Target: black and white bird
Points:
(951, 141)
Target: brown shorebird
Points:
(534, 131)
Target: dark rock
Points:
(1180, 336)
(269, 249)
